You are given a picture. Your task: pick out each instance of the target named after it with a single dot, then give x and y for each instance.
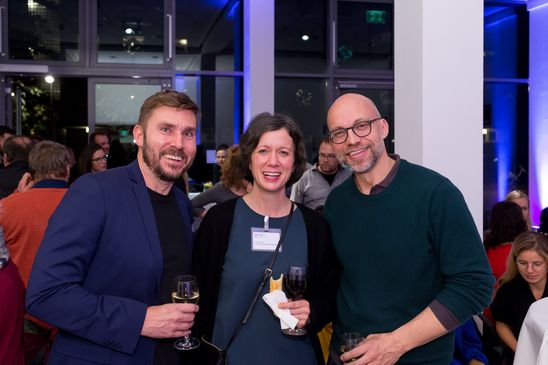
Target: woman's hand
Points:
(299, 309)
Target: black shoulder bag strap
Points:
(266, 275)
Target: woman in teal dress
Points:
(229, 263)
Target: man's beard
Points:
(363, 166)
(154, 163)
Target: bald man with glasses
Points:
(413, 264)
(316, 183)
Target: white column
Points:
(258, 58)
(439, 91)
(538, 107)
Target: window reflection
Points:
(130, 32)
(300, 43)
(505, 41)
(304, 100)
(43, 30)
(208, 35)
(220, 100)
(365, 35)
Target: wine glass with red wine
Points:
(294, 286)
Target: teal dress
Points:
(260, 340)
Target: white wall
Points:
(258, 58)
(439, 91)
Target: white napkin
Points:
(273, 299)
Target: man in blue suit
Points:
(103, 274)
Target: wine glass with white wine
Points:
(185, 290)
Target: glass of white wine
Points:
(185, 290)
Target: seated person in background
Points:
(93, 158)
(521, 199)
(231, 185)
(317, 182)
(468, 350)
(506, 224)
(221, 152)
(523, 283)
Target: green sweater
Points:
(402, 248)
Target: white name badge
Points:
(265, 240)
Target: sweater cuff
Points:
(446, 318)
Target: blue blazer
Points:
(99, 267)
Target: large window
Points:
(209, 36)
(43, 30)
(301, 36)
(130, 32)
(328, 48)
(365, 32)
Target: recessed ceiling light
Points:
(305, 37)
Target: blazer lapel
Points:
(147, 216)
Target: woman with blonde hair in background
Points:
(521, 199)
(523, 283)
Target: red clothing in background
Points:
(24, 217)
(12, 303)
(497, 259)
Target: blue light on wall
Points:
(500, 37)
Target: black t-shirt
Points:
(329, 177)
(511, 304)
(176, 258)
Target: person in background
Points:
(5, 133)
(229, 262)
(221, 152)
(16, 156)
(12, 309)
(468, 348)
(231, 185)
(521, 199)
(24, 217)
(506, 224)
(413, 264)
(92, 159)
(102, 139)
(543, 227)
(523, 283)
(316, 183)
(104, 271)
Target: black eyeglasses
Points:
(103, 158)
(360, 129)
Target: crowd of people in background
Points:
(96, 242)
